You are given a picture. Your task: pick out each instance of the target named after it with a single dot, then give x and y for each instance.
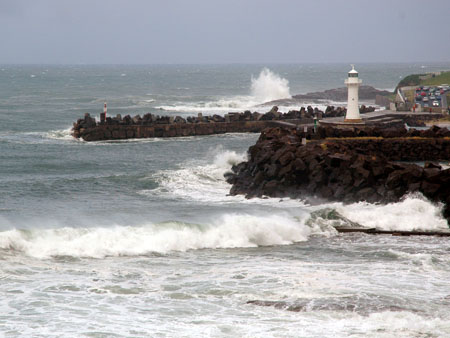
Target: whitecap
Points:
(414, 212)
(227, 231)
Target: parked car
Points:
(438, 97)
(425, 105)
(419, 98)
(423, 94)
(436, 103)
(425, 99)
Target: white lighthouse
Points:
(353, 83)
(103, 115)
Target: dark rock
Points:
(299, 165)
(272, 170)
(348, 170)
(432, 165)
(429, 189)
(286, 158)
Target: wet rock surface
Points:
(349, 165)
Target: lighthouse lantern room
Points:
(353, 83)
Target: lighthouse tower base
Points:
(358, 121)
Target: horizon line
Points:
(219, 63)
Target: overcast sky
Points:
(223, 31)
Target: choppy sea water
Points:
(139, 238)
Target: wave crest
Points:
(414, 212)
(228, 231)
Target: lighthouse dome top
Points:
(353, 72)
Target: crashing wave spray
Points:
(269, 86)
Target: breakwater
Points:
(150, 125)
(361, 164)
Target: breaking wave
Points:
(414, 212)
(228, 231)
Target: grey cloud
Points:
(222, 31)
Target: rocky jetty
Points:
(150, 125)
(366, 93)
(349, 165)
(340, 94)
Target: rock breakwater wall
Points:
(362, 165)
(120, 132)
(149, 125)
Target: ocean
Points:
(139, 238)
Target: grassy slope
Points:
(438, 80)
(413, 80)
(410, 80)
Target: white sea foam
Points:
(201, 182)
(401, 324)
(222, 105)
(149, 100)
(37, 137)
(228, 231)
(423, 260)
(61, 134)
(206, 182)
(414, 212)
